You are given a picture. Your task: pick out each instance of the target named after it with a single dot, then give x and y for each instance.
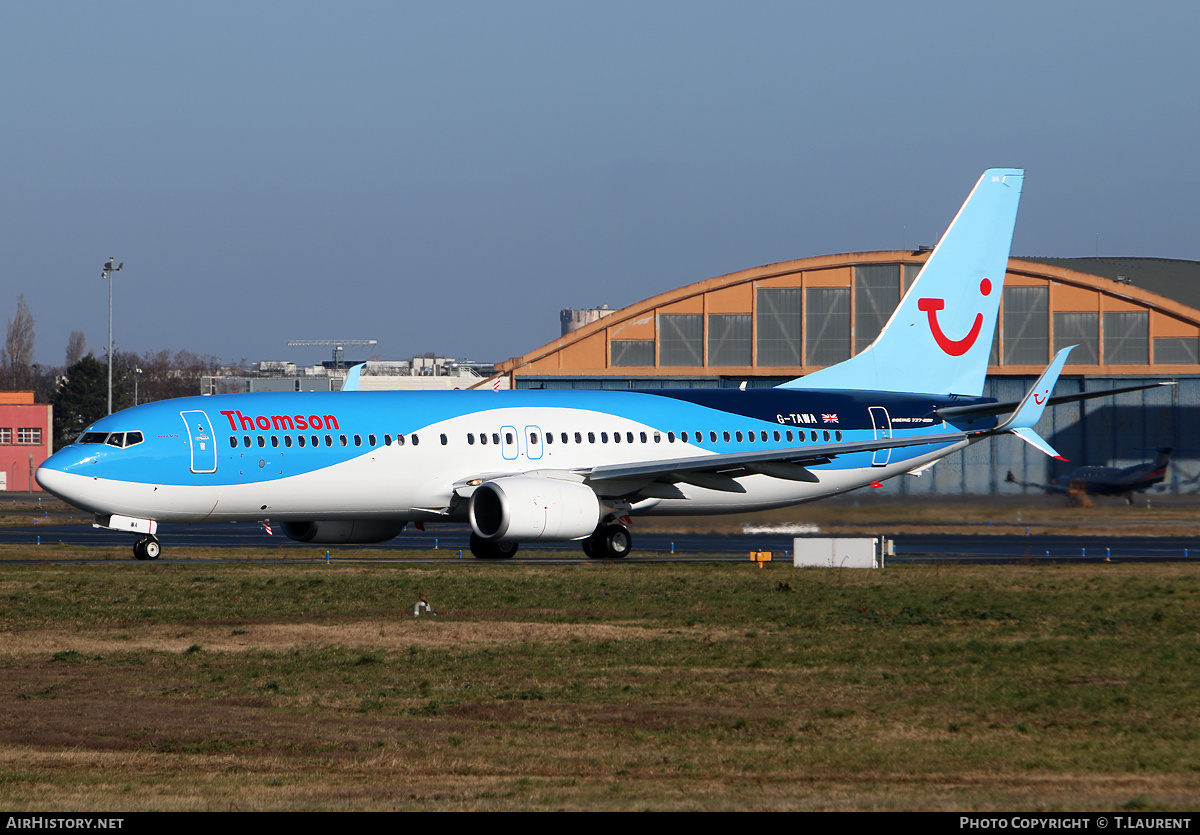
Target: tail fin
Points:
(940, 336)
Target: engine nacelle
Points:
(525, 508)
(342, 533)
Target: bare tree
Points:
(17, 358)
(76, 347)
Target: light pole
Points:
(106, 273)
(137, 373)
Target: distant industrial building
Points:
(1133, 319)
(419, 373)
(26, 437)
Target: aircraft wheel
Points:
(616, 541)
(147, 548)
(589, 548)
(486, 549)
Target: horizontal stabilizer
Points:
(1036, 441)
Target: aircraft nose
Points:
(56, 476)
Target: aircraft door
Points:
(510, 444)
(883, 429)
(203, 441)
(533, 449)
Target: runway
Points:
(649, 546)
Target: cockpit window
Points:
(117, 439)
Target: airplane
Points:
(1107, 481)
(528, 466)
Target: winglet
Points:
(352, 376)
(1029, 410)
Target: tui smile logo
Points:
(953, 347)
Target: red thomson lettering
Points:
(263, 423)
(247, 423)
(232, 425)
(331, 422)
(301, 423)
(281, 422)
(314, 422)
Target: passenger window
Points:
(549, 437)
(643, 435)
(287, 440)
(415, 439)
(657, 437)
(565, 439)
(670, 437)
(712, 436)
(777, 436)
(788, 435)
(604, 437)
(533, 438)
(371, 440)
(496, 438)
(683, 436)
(813, 433)
(245, 440)
(470, 439)
(317, 441)
(483, 438)
(399, 440)
(274, 440)
(345, 441)
(825, 432)
(508, 437)
(444, 441)
(328, 441)
(387, 440)
(725, 435)
(616, 437)
(300, 440)
(838, 434)
(233, 442)
(591, 437)
(578, 438)
(262, 441)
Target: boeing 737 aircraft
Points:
(528, 466)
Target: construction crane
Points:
(337, 344)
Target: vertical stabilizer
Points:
(940, 336)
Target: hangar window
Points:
(1177, 350)
(680, 339)
(779, 319)
(876, 294)
(826, 325)
(1081, 330)
(1026, 325)
(631, 352)
(1127, 338)
(729, 339)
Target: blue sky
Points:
(447, 176)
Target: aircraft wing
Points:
(1009, 407)
(717, 472)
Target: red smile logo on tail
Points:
(953, 347)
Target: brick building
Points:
(26, 437)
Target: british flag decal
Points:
(829, 418)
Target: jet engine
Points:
(343, 533)
(525, 508)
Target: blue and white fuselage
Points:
(557, 465)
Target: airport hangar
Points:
(1135, 320)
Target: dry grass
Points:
(136, 687)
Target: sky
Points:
(447, 176)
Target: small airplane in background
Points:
(1106, 481)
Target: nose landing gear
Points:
(147, 548)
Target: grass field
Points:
(600, 686)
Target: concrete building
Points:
(1134, 320)
(26, 437)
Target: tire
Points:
(486, 549)
(151, 548)
(615, 542)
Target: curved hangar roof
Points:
(792, 318)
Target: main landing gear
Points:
(147, 548)
(486, 549)
(609, 542)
